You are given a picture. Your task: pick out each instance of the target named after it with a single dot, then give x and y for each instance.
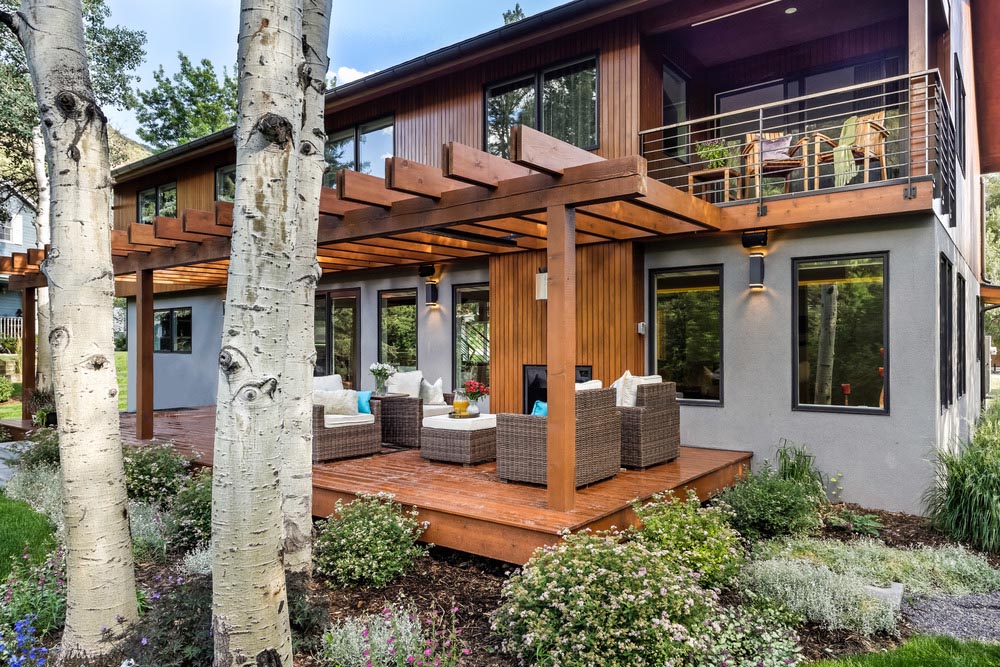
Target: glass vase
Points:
(380, 384)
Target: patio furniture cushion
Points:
(589, 384)
(364, 402)
(626, 387)
(447, 423)
(328, 383)
(540, 409)
(341, 402)
(433, 410)
(432, 394)
(406, 383)
(337, 421)
(776, 149)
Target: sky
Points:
(364, 36)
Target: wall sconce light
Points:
(754, 239)
(756, 270)
(431, 294)
(542, 284)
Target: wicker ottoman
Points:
(466, 441)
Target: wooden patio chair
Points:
(345, 441)
(522, 448)
(402, 419)
(870, 138)
(760, 163)
(651, 431)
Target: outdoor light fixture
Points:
(756, 270)
(542, 284)
(431, 294)
(791, 10)
(755, 239)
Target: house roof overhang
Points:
(986, 55)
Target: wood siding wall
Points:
(609, 298)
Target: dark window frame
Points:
(156, 200)
(356, 129)
(886, 338)
(960, 115)
(416, 329)
(216, 173)
(946, 327)
(651, 353)
(960, 316)
(343, 293)
(454, 327)
(538, 74)
(173, 329)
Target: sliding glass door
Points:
(337, 334)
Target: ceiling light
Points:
(738, 11)
(791, 10)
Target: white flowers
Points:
(382, 371)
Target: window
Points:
(687, 330)
(361, 148)
(945, 328)
(337, 335)
(960, 319)
(397, 328)
(472, 333)
(158, 201)
(841, 333)
(225, 183)
(675, 94)
(568, 109)
(959, 114)
(172, 330)
(6, 225)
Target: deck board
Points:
(468, 508)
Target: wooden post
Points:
(27, 350)
(921, 95)
(560, 253)
(144, 354)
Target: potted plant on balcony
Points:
(716, 153)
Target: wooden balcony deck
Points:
(468, 508)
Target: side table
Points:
(724, 174)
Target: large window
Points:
(960, 319)
(158, 201)
(337, 334)
(687, 330)
(568, 109)
(172, 330)
(959, 113)
(841, 333)
(397, 328)
(361, 148)
(472, 333)
(225, 183)
(946, 327)
(675, 96)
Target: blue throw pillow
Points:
(364, 402)
(540, 409)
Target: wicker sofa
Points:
(342, 442)
(522, 447)
(651, 431)
(402, 419)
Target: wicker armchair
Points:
(343, 442)
(651, 431)
(402, 419)
(522, 447)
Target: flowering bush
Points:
(749, 637)
(35, 590)
(19, 648)
(596, 600)
(154, 473)
(149, 531)
(765, 504)
(397, 636)
(40, 448)
(371, 540)
(190, 524)
(475, 389)
(694, 537)
(176, 631)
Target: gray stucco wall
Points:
(884, 458)
(183, 380)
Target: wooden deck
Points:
(468, 508)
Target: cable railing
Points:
(890, 130)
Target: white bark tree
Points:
(296, 470)
(43, 369)
(249, 602)
(100, 571)
(827, 344)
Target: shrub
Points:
(307, 613)
(595, 600)
(177, 629)
(6, 389)
(796, 463)
(694, 537)
(965, 500)
(36, 590)
(834, 601)
(198, 561)
(121, 341)
(841, 518)
(22, 530)
(947, 570)
(764, 504)
(371, 540)
(149, 531)
(190, 524)
(41, 487)
(154, 473)
(745, 636)
(40, 448)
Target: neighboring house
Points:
(844, 129)
(17, 234)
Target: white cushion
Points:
(405, 383)
(589, 384)
(342, 402)
(447, 423)
(432, 410)
(432, 394)
(334, 421)
(627, 390)
(328, 383)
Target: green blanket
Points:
(844, 166)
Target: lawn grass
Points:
(21, 526)
(926, 652)
(12, 408)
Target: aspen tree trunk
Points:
(827, 340)
(296, 469)
(43, 227)
(99, 567)
(249, 605)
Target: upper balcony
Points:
(894, 130)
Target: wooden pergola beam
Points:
(418, 179)
(203, 224)
(361, 188)
(140, 234)
(545, 153)
(478, 167)
(172, 229)
(397, 252)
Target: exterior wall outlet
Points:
(640, 328)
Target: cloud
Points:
(348, 74)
